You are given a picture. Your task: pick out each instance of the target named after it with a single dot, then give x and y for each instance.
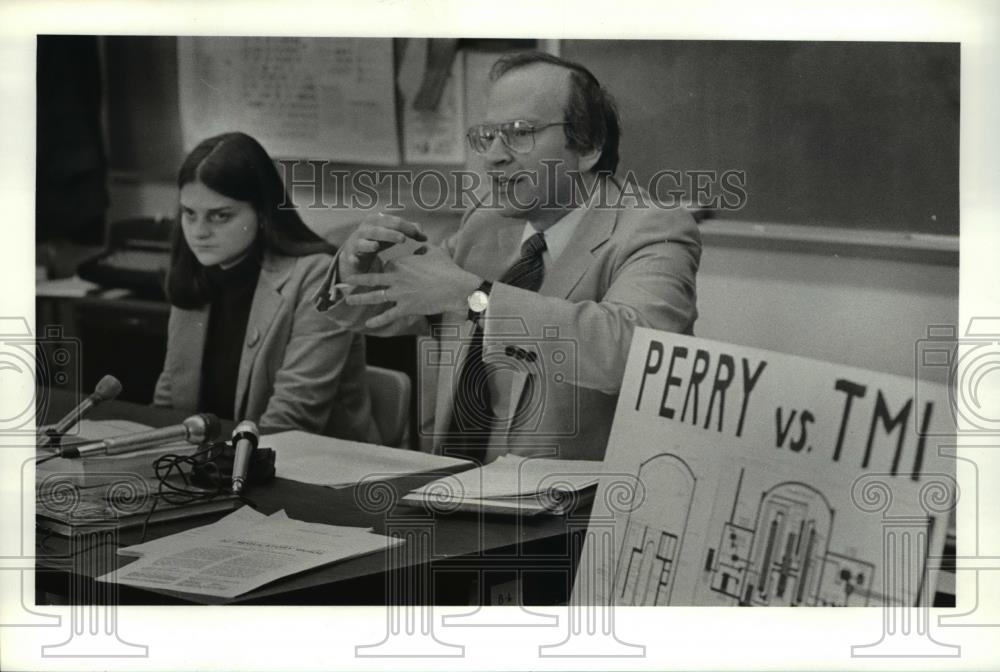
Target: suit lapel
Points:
(267, 301)
(592, 231)
(594, 228)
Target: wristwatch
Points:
(479, 300)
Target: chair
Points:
(390, 391)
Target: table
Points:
(457, 558)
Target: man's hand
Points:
(375, 233)
(425, 283)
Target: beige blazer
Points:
(558, 355)
(297, 370)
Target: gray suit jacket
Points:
(296, 371)
(558, 355)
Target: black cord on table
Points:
(170, 469)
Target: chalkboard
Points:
(837, 134)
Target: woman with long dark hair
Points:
(244, 340)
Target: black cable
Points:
(171, 468)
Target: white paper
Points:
(244, 516)
(248, 557)
(742, 476)
(321, 460)
(516, 476)
(310, 98)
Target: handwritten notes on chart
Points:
(753, 478)
(309, 98)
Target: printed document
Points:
(248, 557)
(321, 460)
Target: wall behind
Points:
(857, 310)
(844, 134)
(863, 312)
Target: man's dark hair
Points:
(590, 111)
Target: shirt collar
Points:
(558, 235)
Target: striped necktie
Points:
(528, 271)
(472, 412)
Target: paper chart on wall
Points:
(310, 98)
(434, 136)
(737, 476)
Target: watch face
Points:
(478, 301)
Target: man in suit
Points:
(533, 301)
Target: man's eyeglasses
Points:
(517, 136)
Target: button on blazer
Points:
(558, 355)
(297, 369)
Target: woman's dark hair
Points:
(590, 110)
(236, 166)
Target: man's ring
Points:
(385, 296)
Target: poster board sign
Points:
(737, 476)
(323, 98)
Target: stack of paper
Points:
(321, 460)
(513, 484)
(242, 552)
(125, 503)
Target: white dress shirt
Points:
(557, 236)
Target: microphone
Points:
(245, 438)
(107, 389)
(196, 429)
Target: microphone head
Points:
(246, 430)
(202, 427)
(107, 389)
(246, 427)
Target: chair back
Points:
(390, 398)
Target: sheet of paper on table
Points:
(511, 476)
(244, 516)
(321, 460)
(513, 484)
(229, 525)
(247, 557)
